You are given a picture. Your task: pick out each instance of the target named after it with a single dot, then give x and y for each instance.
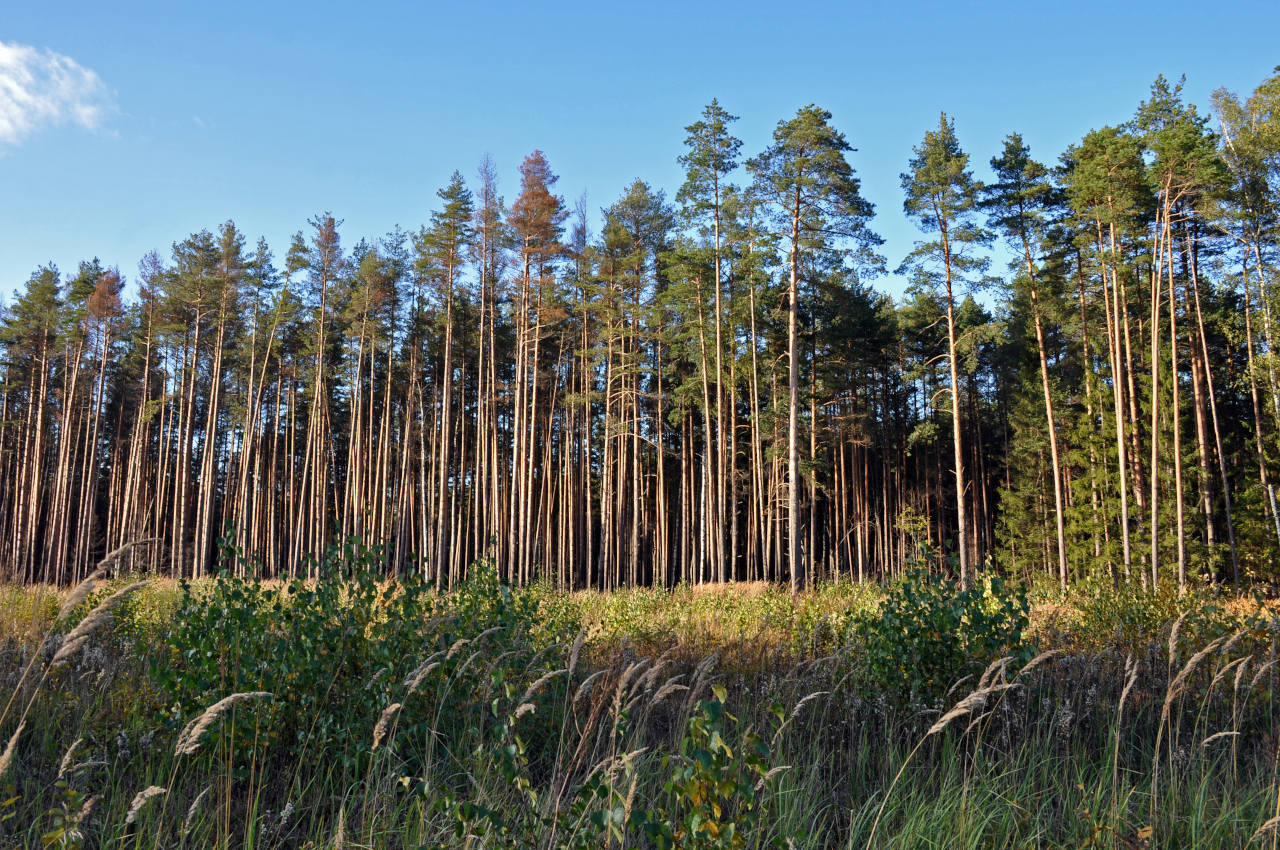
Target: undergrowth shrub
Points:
(930, 633)
(335, 651)
(715, 794)
(1131, 616)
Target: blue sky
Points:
(148, 121)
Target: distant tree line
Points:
(707, 390)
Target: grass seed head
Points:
(6, 758)
(1270, 826)
(79, 594)
(79, 636)
(189, 741)
(1173, 635)
(384, 723)
(586, 686)
(974, 701)
(193, 808)
(86, 809)
(141, 799)
(417, 677)
(66, 758)
(542, 680)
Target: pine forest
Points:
(1078, 382)
(789, 501)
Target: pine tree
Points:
(711, 156)
(942, 196)
(1018, 204)
(812, 189)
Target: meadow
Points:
(350, 711)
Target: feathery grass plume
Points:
(1179, 682)
(340, 831)
(957, 685)
(651, 677)
(1239, 677)
(118, 552)
(69, 647)
(66, 758)
(699, 675)
(1038, 660)
(525, 708)
(668, 687)
(773, 771)
(621, 694)
(630, 799)
(417, 677)
(542, 680)
(612, 764)
(79, 594)
(795, 712)
(1225, 669)
(193, 808)
(456, 647)
(1130, 679)
(77, 637)
(966, 706)
(384, 723)
(586, 686)
(1262, 668)
(466, 665)
(635, 701)
(1271, 825)
(141, 799)
(994, 669)
(1233, 640)
(1176, 687)
(576, 650)
(1173, 632)
(1215, 736)
(82, 590)
(978, 717)
(7, 756)
(189, 740)
(86, 809)
(625, 679)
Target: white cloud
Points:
(40, 88)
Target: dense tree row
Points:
(708, 389)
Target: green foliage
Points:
(1133, 616)
(716, 795)
(930, 633)
(63, 822)
(513, 740)
(713, 798)
(334, 652)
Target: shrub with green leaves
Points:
(337, 650)
(716, 796)
(930, 633)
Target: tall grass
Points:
(354, 713)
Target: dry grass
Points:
(616, 702)
(26, 613)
